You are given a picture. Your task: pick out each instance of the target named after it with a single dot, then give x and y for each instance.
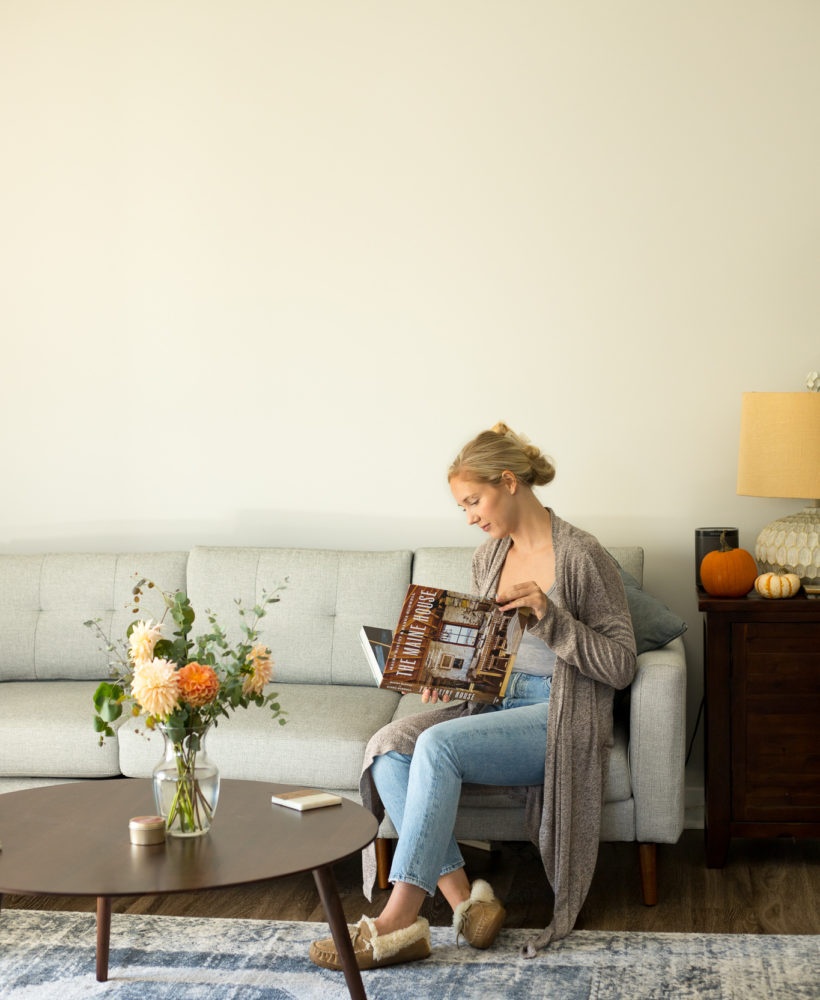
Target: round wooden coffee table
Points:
(73, 840)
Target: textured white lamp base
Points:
(792, 545)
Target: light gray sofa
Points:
(50, 666)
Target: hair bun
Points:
(498, 449)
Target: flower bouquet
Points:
(183, 686)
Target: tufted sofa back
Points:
(44, 600)
(314, 631)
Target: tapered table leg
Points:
(329, 895)
(103, 936)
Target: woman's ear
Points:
(509, 480)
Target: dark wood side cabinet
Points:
(762, 708)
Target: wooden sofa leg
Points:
(384, 855)
(648, 854)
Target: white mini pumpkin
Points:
(777, 584)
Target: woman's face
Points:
(488, 506)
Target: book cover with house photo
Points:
(460, 644)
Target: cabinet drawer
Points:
(775, 659)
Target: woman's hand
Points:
(524, 595)
(432, 695)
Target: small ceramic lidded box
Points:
(147, 830)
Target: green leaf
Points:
(182, 612)
(102, 727)
(180, 651)
(107, 692)
(110, 711)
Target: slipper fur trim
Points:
(386, 945)
(480, 892)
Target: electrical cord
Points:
(695, 732)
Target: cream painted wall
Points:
(267, 265)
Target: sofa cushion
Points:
(322, 745)
(23, 784)
(411, 704)
(313, 633)
(45, 599)
(46, 731)
(450, 568)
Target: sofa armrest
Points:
(657, 743)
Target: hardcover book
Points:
(462, 645)
(305, 799)
(376, 645)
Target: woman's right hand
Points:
(524, 595)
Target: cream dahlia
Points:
(156, 687)
(198, 684)
(261, 670)
(144, 636)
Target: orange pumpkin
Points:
(728, 572)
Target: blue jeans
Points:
(502, 745)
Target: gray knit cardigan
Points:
(587, 624)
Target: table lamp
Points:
(779, 456)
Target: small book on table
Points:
(304, 799)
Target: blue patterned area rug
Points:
(51, 955)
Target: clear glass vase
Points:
(186, 782)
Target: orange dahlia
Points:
(198, 684)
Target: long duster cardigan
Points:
(588, 625)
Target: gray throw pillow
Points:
(653, 623)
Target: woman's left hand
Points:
(432, 695)
(524, 595)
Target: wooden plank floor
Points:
(768, 887)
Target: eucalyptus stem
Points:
(188, 799)
(189, 807)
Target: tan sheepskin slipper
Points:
(479, 918)
(374, 950)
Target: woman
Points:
(551, 735)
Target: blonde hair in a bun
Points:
(500, 449)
